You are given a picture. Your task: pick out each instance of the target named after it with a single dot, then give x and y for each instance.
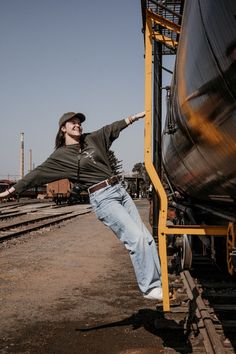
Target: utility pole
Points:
(30, 160)
(22, 156)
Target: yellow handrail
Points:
(149, 164)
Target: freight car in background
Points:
(32, 193)
(199, 137)
(64, 192)
(61, 192)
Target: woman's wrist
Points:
(131, 119)
(10, 191)
(7, 192)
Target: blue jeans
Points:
(116, 209)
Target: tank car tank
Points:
(201, 149)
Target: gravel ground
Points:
(72, 290)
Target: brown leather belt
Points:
(107, 182)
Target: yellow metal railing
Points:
(165, 24)
(149, 164)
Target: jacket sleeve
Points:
(112, 131)
(49, 171)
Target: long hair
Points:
(60, 139)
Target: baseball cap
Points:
(67, 116)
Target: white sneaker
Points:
(154, 294)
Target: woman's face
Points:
(72, 129)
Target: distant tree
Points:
(140, 170)
(115, 164)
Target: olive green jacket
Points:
(87, 166)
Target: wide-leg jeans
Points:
(116, 209)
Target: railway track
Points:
(16, 210)
(202, 317)
(19, 220)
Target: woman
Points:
(83, 159)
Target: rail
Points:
(17, 229)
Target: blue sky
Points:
(69, 55)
